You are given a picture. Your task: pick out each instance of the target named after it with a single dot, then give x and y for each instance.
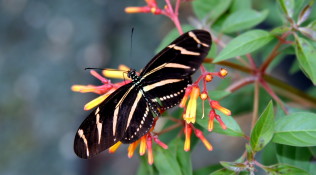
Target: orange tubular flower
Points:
(187, 133)
(216, 105)
(190, 113)
(131, 148)
(113, 148)
(211, 121)
(206, 143)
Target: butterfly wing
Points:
(167, 75)
(100, 129)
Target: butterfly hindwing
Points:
(95, 134)
(141, 119)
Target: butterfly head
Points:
(132, 74)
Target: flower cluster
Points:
(193, 93)
(144, 143)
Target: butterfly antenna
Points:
(96, 68)
(132, 42)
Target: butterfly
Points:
(128, 113)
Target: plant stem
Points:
(285, 89)
(172, 127)
(255, 104)
(241, 83)
(274, 53)
(273, 95)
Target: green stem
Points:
(255, 105)
(283, 88)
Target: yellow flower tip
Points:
(142, 147)
(77, 88)
(131, 149)
(119, 74)
(183, 102)
(207, 144)
(115, 147)
(216, 105)
(208, 78)
(123, 67)
(190, 114)
(223, 72)
(84, 88)
(203, 96)
(210, 125)
(133, 10)
(187, 141)
(186, 145)
(153, 10)
(95, 102)
(150, 157)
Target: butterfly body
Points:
(128, 113)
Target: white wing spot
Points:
(99, 127)
(81, 135)
(192, 35)
(97, 111)
(183, 50)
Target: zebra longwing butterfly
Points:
(128, 113)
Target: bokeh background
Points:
(44, 48)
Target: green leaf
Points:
(165, 161)
(243, 19)
(300, 157)
(294, 67)
(296, 129)
(262, 133)
(287, 6)
(308, 32)
(268, 154)
(234, 166)
(183, 158)
(210, 9)
(245, 43)
(280, 169)
(223, 171)
(207, 170)
(240, 5)
(312, 25)
(218, 94)
(172, 35)
(144, 168)
(280, 30)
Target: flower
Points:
(198, 133)
(104, 90)
(145, 144)
(190, 114)
(151, 7)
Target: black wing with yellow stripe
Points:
(128, 113)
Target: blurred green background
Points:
(44, 48)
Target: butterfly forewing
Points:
(128, 113)
(185, 54)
